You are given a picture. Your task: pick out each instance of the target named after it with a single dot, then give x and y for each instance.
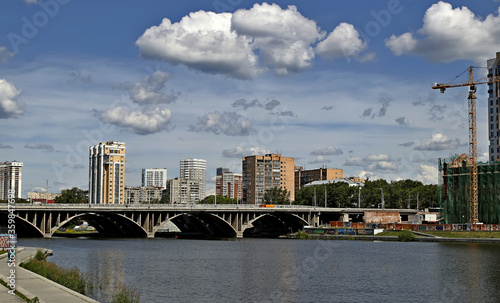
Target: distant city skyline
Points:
(338, 84)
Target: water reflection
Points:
(106, 267)
(273, 270)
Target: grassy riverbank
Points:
(75, 280)
(465, 234)
(71, 278)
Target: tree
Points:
(277, 195)
(74, 195)
(397, 194)
(220, 200)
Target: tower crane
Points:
(472, 132)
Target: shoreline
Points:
(396, 239)
(36, 286)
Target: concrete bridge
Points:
(145, 220)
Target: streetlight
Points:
(382, 197)
(359, 196)
(47, 193)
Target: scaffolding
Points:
(454, 190)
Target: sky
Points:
(337, 84)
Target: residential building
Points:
(11, 179)
(42, 196)
(302, 177)
(229, 185)
(261, 173)
(154, 177)
(195, 169)
(107, 173)
(221, 170)
(142, 194)
(183, 191)
(493, 66)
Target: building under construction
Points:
(454, 190)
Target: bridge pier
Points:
(151, 235)
(47, 235)
(239, 234)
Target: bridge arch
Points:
(26, 228)
(274, 224)
(108, 223)
(198, 223)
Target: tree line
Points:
(396, 194)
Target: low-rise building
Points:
(182, 191)
(303, 177)
(143, 194)
(41, 196)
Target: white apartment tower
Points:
(195, 169)
(107, 173)
(493, 66)
(10, 179)
(154, 177)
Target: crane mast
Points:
(472, 134)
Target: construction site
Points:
(454, 190)
(469, 192)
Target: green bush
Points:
(124, 294)
(302, 235)
(40, 256)
(406, 236)
(71, 278)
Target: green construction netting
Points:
(454, 192)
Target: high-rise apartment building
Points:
(154, 177)
(302, 177)
(10, 179)
(195, 169)
(107, 173)
(183, 191)
(229, 185)
(261, 173)
(493, 66)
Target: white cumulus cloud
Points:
(244, 151)
(374, 162)
(450, 34)
(248, 42)
(10, 106)
(427, 174)
(227, 123)
(283, 36)
(202, 41)
(344, 41)
(150, 90)
(439, 142)
(139, 121)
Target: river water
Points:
(284, 270)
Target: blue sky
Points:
(337, 84)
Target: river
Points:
(284, 270)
